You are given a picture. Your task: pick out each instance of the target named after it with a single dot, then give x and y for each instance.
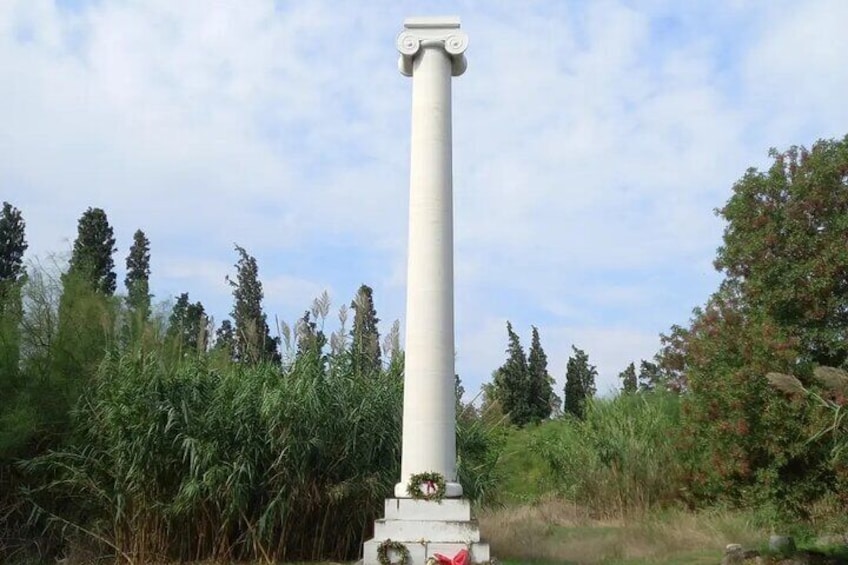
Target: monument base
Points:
(425, 528)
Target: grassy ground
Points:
(551, 531)
(556, 532)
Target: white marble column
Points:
(431, 53)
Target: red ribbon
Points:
(461, 558)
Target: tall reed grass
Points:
(621, 458)
(232, 462)
(117, 440)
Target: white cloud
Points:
(291, 293)
(591, 144)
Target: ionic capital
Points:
(442, 32)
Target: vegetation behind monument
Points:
(251, 446)
(139, 436)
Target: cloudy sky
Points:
(592, 140)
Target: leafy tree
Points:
(365, 336)
(137, 279)
(784, 246)
(91, 259)
(745, 441)
(629, 383)
(828, 398)
(511, 382)
(253, 341)
(188, 324)
(540, 393)
(579, 383)
(782, 307)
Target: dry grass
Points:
(557, 531)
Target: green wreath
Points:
(433, 482)
(386, 547)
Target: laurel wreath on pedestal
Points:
(433, 484)
(388, 546)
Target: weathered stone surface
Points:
(450, 509)
(781, 543)
(733, 554)
(419, 552)
(830, 540)
(430, 530)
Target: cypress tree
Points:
(365, 336)
(12, 273)
(86, 309)
(310, 339)
(579, 383)
(188, 324)
(13, 244)
(459, 392)
(91, 259)
(650, 376)
(253, 341)
(540, 394)
(225, 340)
(137, 279)
(511, 382)
(629, 382)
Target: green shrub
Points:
(621, 458)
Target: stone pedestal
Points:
(427, 528)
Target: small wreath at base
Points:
(388, 546)
(427, 486)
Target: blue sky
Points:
(592, 140)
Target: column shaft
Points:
(429, 437)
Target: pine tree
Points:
(188, 324)
(579, 383)
(365, 336)
(253, 341)
(629, 382)
(540, 392)
(511, 382)
(137, 280)
(91, 259)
